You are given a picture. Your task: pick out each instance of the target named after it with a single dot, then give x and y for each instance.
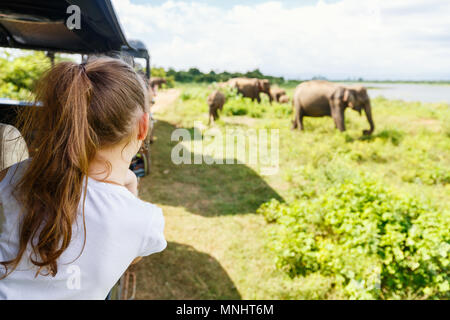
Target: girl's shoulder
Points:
(119, 197)
(135, 217)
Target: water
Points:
(410, 92)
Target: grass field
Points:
(218, 246)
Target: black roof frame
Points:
(100, 30)
(100, 33)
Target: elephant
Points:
(319, 98)
(264, 87)
(157, 82)
(216, 101)
(277, 93)
(251, 87)
(284, 99)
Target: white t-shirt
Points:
(119, 228)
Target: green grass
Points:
(219, 247)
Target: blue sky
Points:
(338, 39)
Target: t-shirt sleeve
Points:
(153, 240)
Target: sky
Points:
(297, 39)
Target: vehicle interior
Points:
(25, 24)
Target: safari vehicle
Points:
(43, 25)
(138, 50)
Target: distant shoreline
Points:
(440, 83)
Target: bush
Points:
(237, 105)
(235, 110)
(374, 242)
(185, 96)
(17, 76)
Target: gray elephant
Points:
(157, 82)
(216, 101)
(284, 99)
(320, 98)
(277, 93)
(251, 87)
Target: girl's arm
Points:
(132, 185)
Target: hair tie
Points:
(83, 66)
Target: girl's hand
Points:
(138, 259)
(131, 182)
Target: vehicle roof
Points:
(137, 50)
(41, 25)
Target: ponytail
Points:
(52, 183)
(65, 133)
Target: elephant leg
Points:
(298, 115)
(300, 120)
(212, 115)
(295, 122)
(338, 117)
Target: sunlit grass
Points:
(211, 210)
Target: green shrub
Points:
(235, 110)
(185, 96)
(195, 94)
(427, 173)
(18, 75)
(237, 105)
(374, 242)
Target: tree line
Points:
(196, 76)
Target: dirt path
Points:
(164, 99)
(215, 240)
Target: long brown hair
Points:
(81, 109)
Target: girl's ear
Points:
(144, 123)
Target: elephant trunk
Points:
(368, 111)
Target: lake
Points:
(409, 92)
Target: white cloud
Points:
(378, 39)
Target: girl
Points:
(70, 221)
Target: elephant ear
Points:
(349, 98)
(346, 95)
(260, 84)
